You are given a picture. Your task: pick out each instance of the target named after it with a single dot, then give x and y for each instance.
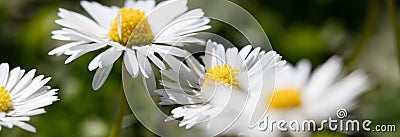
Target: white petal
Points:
(156, 61)
(4, 70)
(87, 47)
(109, 57)
(119, 22)
(179, 66)
(100, 77)
(231, 55)
(33, 112)
(102, 14)
(345, 90)
(303, 72)
(144, 64)
(72, 35)
(252, 58)
(26, 127)
(185, 25)
(208, 57)
(173, 7)
(32, 89)
(14, 77)
(323, 77)
(95, 62)
(146, 6)
(81, 50)
(169, 50)
(195, 13)
(23, 82)
(80, 23)
(245, 51)
(60, 50)
(195, 65)
(131, 63)
(29, 85)
(220, 54)
(42, 93)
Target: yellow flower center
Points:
(224, 73)
(135, 28)
(285, 98)
(5, 100)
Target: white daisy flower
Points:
(138, 31)
(217, 90)
(22, 95)
(299, 95)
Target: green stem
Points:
(391, 9)
(368, 29)
(116, 129)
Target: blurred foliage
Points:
(297, 29)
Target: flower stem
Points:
(116, 129)
(391, 9)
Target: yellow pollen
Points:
(133, 22)
(5, 100)
(224, 73)
(285, 98)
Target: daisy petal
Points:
(60, 50)
(231, 55)
(146, 6)
(220, 54)
(23, 82)
(102, 14)
(109, 57)
(80, 23)
(156, 61)
(169, 50)
(26, 126)
(208, 57)
(172, 7)
(4, 70)
(323, 77)
(144, 64)
(245, 51)
(131, 63)
(15, 75)
(100, 77)
(95, 62)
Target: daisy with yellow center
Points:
(296, 94)
(139, 32)
(21, 96)
(214, 94)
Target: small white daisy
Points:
(138, 31)
(22, 95)
(216, 91)
(299, 95)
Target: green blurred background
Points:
(360, 31)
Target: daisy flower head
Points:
(217, 91)
(22, 95)
(138, 31)
(300, 95)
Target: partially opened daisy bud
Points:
(298, 95)
(22, 95)
(139, 31)
(214, 94)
